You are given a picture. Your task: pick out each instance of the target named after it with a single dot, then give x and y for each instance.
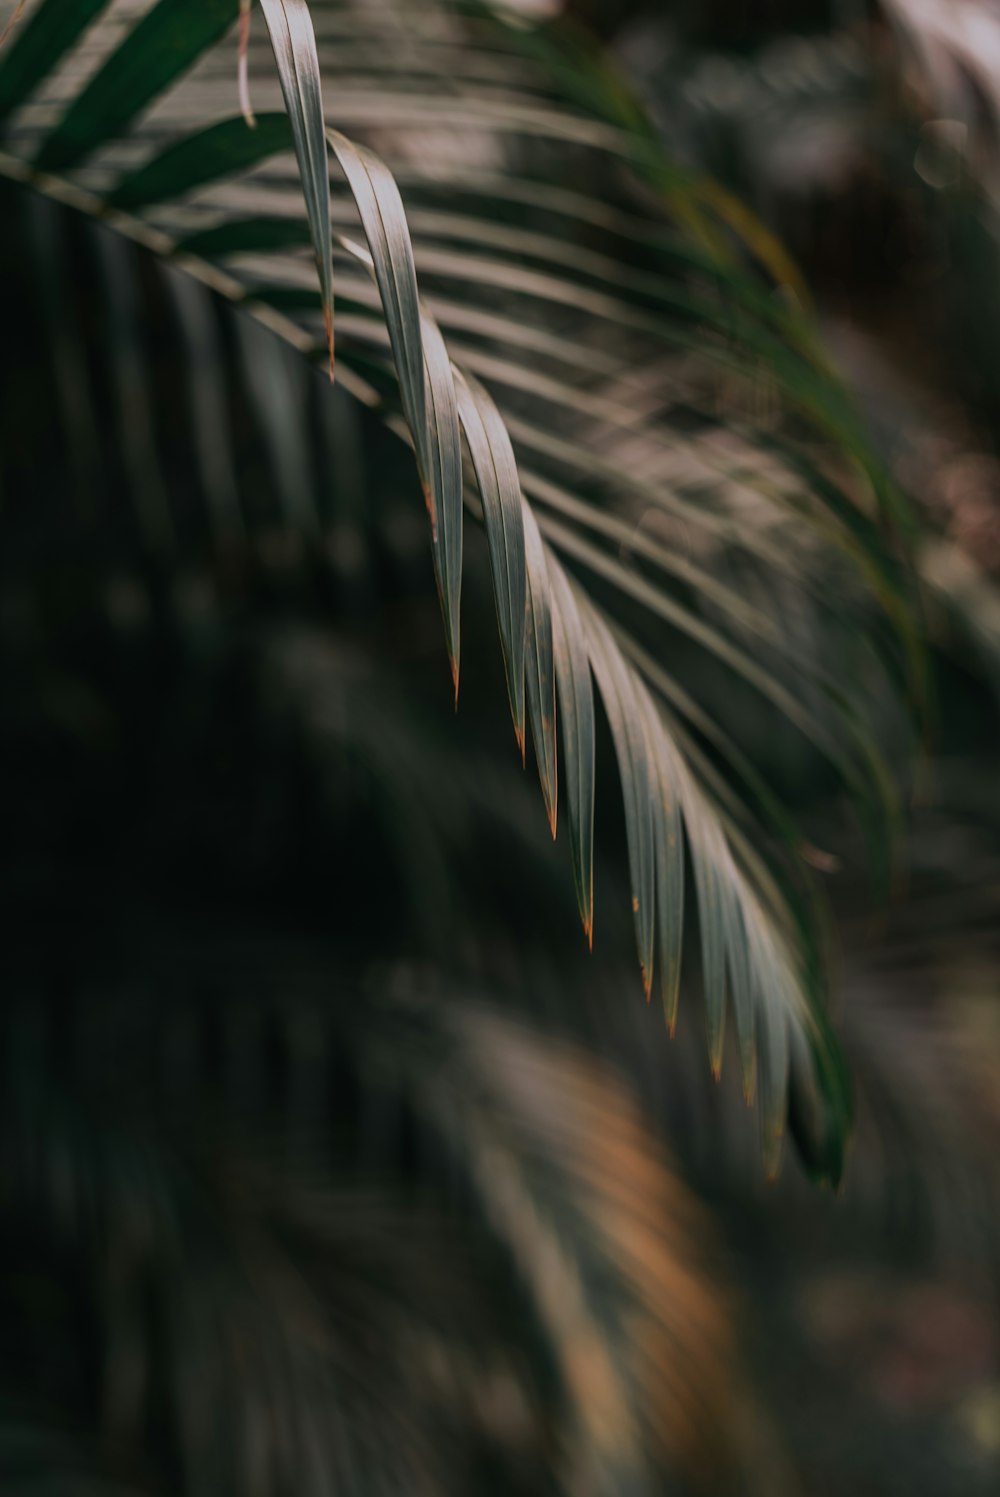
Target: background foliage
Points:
(332, 1157)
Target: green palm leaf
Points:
(590, 358)
(290, 26)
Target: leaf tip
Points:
(242, 70)
(549, 794)
(749, 1078)
(431, 508)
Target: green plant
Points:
(681, 508)
(162, 193)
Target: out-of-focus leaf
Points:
(631, 473)
(161, 46)
(32, 48)
(204, 156)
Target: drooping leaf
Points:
(683, 516)
(669, 852)
(630, 731)
(443, 484)
(243, 66)
(576, 712)
(426, 381)
(388, 235)
(294, 42)
(540, 665)
(500, 491)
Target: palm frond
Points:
(119, 111)
(467, 1257)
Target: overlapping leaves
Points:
(535, 493)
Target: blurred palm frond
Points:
(120, 112)
(421, 1246)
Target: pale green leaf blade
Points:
(384, 223)
(704, 840)
(772, 1089)
(740, 986)
(576, 711)
(294, 43)
(669, 840)
(629, 730)
(540, 667)
(438, 444)
(500, 492)
(443, 485)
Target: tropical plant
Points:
(123, 93)
(604, 365)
